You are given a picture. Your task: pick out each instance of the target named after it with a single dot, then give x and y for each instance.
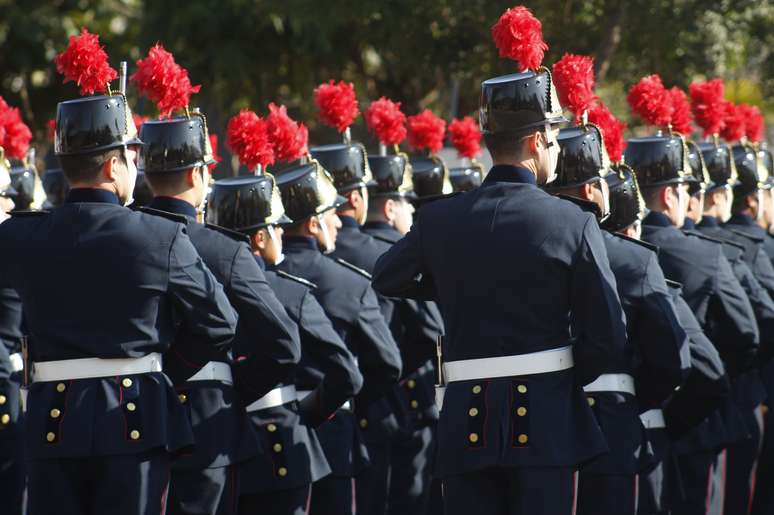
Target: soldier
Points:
(508, 352)
(311, 200)
(103, 418)
(279, 481)
(175, 158)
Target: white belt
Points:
(623, 383)
(17, 362)
(303, 393)
(276, 397)
(89, 368)
(214, 371)
(542, 362)
(653, 419)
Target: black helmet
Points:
(626, 203)
(699, 180)
(466, 178)
(746, 162)
(246, 203)
(430, 177)
(23, 182)
(56, 187)
(720, 165)
(519, 103)
(658, 160)
(175, 144)
(766, 166)
(307, 190)
(347, 163)
(582, 157)
(392, 176)
(93, 124)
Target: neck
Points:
(528, 164)
(106, 186)
(347, 212)
(188, 196)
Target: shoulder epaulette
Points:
(181, 219)
(354, 268)
(641, 243)
(703, 236)
(673, 284)
(234, 235)
(585, 205)
(30, 212)
(750, 237)
(295, 278)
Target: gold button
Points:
(591, 401)
(60, 387)
(183, 398)
(414, 404)
(477, 389)
(411, 384)
(2, 399)
(473, 412)
(277, 447)
(282, 472)
(523, 439)
(271, 428)
(130, 406)
(473, 437)
(522, 388)
(50, 437)
(521, 411)
(5, 419)
(134, 435)
(363, 423)
(55, 413)
(127, 383)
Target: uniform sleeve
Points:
(762, 305)
(734, 330)
(664, 344)
(268, 346)
(597, 316)
(763, 270)
(205, 316)
(400, 272)
(323, 346)
(377, 353)
(422, 326)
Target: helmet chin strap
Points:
(275, 240)
(329, 246)
(133, 181)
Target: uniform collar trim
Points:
(740, 219)
(508, 173)
(92, 195)
(173, 205)
(657, 219)
(347, 222)
(689, 224)
(709, 221)
(299, 242)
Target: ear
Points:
(191, 178)
(532, 142)
(665, 196)
(312, 225)
(388, 209)
(108, 169)
(587, 191)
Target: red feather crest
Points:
(248, 137)
(85, 62)
(288, 137)
(574, 80)
(426, 131)
(163, 81)
(651, 101)
(387, 121)
(707, 104)
(215, 156)
(681, 111)
(754, 123)
(518, 35)
(466, 137)
(51, 126)
(337, 104)
(612, 130)
(15, 136)
(733, 123)
(139, 120)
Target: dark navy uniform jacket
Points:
(266, 344)
(99, 280)
(512, 269)
(10, 381)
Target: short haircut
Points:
(740, 202)
(163, 182)
(505, 146)
(650, 194)
(85, 168)
(376, 207)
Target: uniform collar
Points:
(173, 205)
(299, 242)
(709, 221)
(508, 173)
(260, 261)
(740, 219)
(92, 195)
(689, 224)
(379, 226)
(657, 219)
(347, 222)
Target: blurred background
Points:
(423, 53)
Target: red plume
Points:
(248, 137)
(574, 81)
(85, 62)
(426, 131)
(733, 123)
(139, 120)
(651, 101)
(288, 137)
(51, 126)
(681, 111)
(163, 81)
(466, 137)
(753, 122)
(518, 35)
(215, 156)
(3, 113)
(707, 105)
(387, 121)
(337, 104)
(15, 136)
(612, 130)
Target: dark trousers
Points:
(763, 498)
(12, 476)
(655, 491)
(511, 491)
(606, 494)
(332, 495)
(741, 460)
(372, 484)
(695, 482)
(134, 484)
(294, 501)
(204, 492)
